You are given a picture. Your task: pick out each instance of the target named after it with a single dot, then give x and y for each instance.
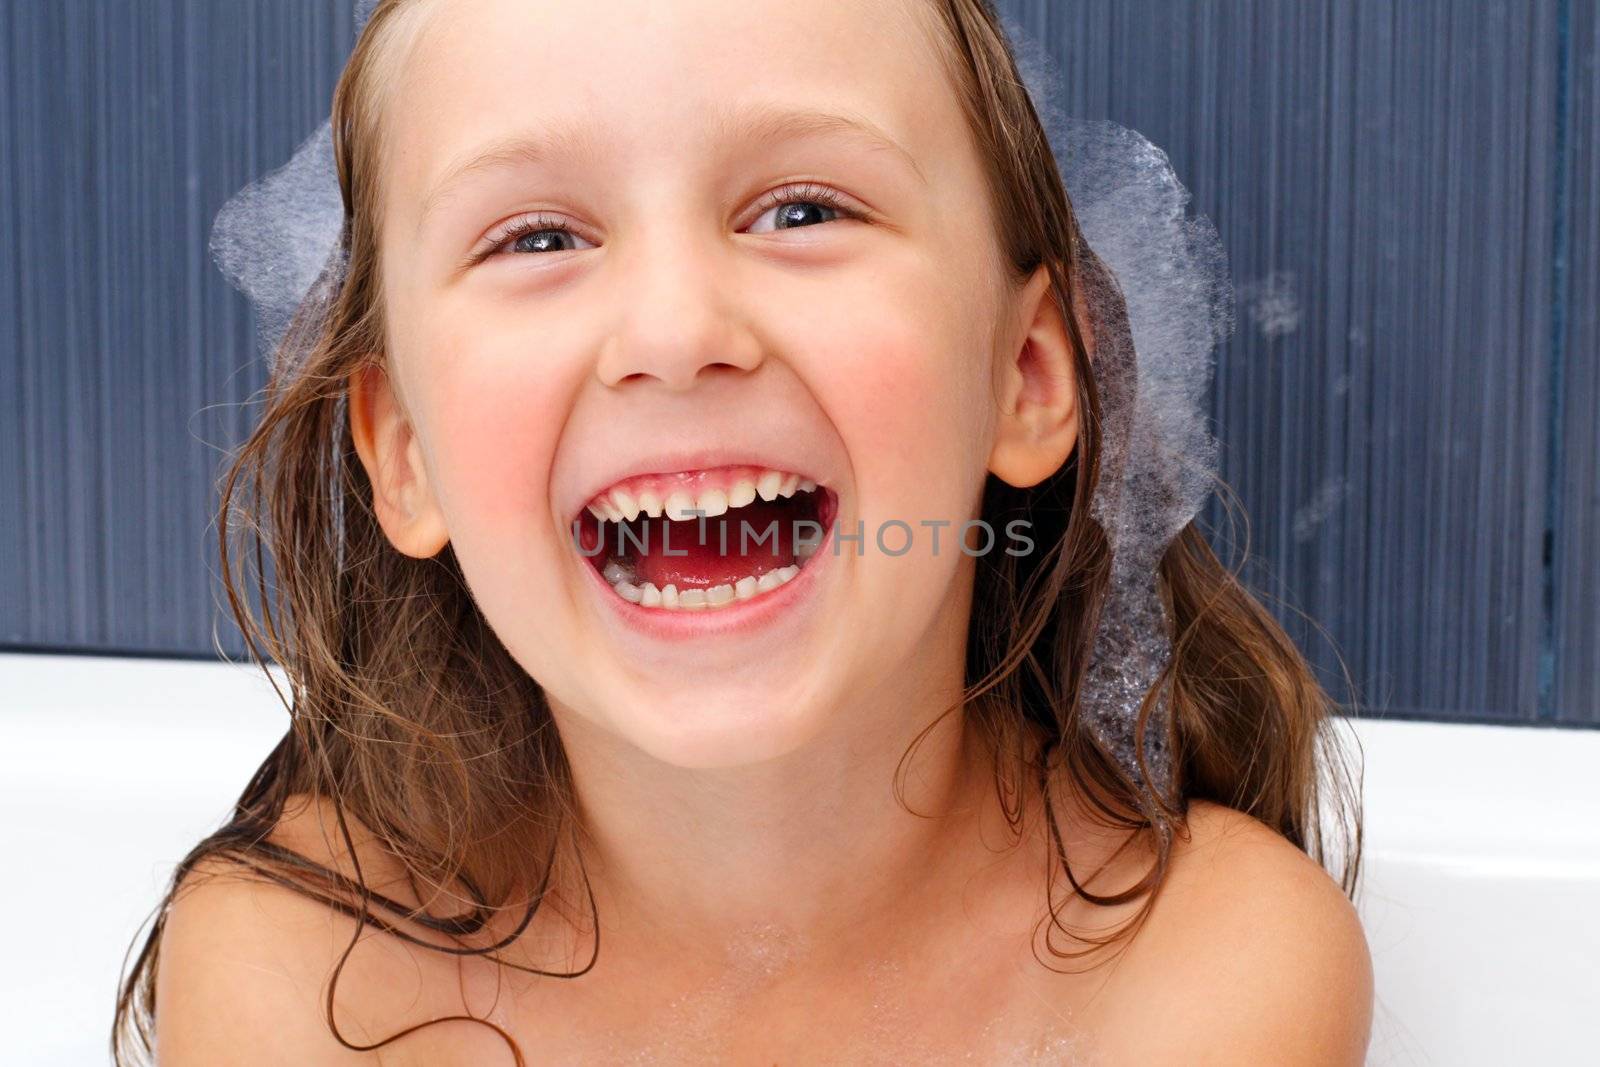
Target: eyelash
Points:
(792, 194)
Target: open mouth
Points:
(707, 539)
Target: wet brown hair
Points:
(409, 716)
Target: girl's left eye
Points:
(791, 202)
(795, 205)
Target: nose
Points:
(678, 321)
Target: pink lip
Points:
(671, 625)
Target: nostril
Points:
(720, 366)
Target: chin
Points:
(707, 730)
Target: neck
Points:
(808, 856)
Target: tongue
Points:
(677, 556)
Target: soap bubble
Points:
(280, 236)
(1159, 460)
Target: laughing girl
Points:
(684, 570)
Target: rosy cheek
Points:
(881, 382)
(493, 438)
(903, 405)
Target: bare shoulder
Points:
(245, 964)
(1251, 953)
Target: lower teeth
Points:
(672, 598)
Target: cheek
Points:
(494, 420)
(909, 404)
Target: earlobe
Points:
(1037, 395)
(390, 451)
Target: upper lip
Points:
(689, 460)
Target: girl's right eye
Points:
(536, 233)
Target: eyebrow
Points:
(761, 124)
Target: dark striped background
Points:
(1409, 192)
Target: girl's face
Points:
(757, 239)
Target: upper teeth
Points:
(618, 505)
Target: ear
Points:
(392, 454)
(1037, 389)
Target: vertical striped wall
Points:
(1409, 192)
(125, 357)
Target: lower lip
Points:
(738, 617)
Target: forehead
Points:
(643, 78)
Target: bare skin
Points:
(763, 898)
(1250, 954)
